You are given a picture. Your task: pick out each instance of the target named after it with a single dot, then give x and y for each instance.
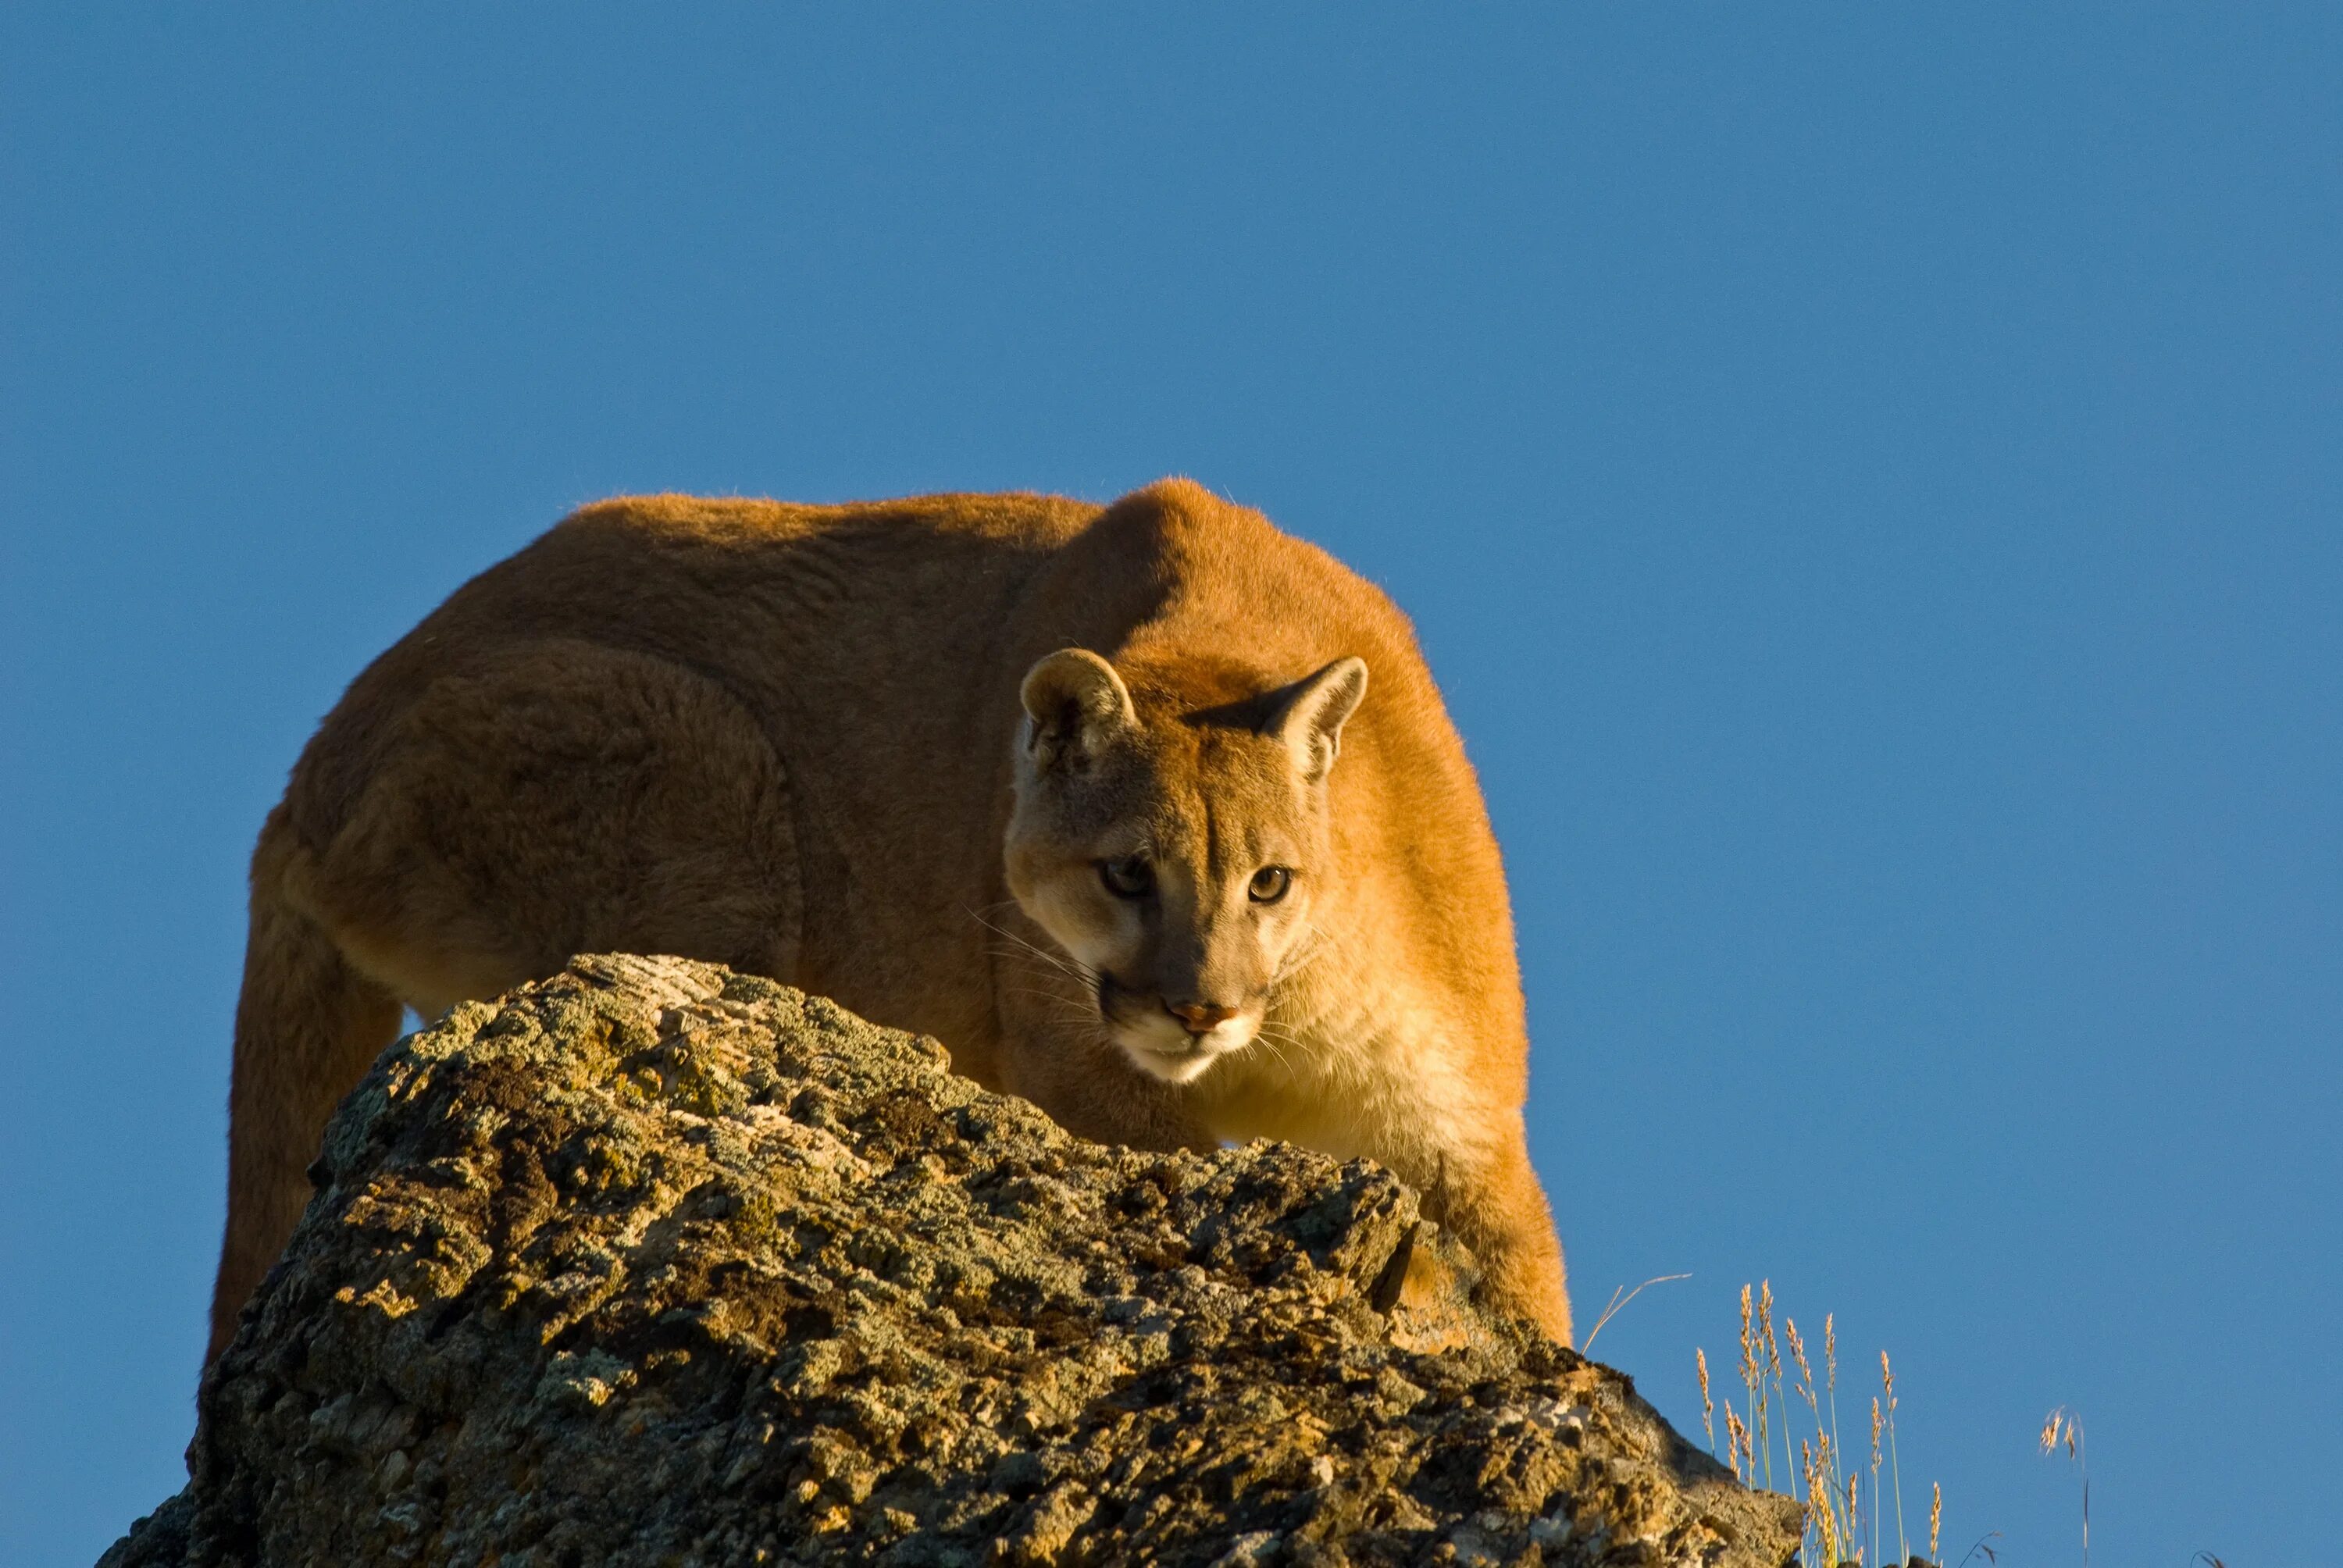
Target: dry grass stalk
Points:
(1769, 1388)
(1736, 1439)
(1936, 1516)
(2063, 1428)
(1620, 1298)
(1748, 1346)
(1830, 1368)
(1798, 1355)
(1821, 1513)
(1895, 1460)
(1833, 1494)
(1753, 1377)
(1707, 1409)
(1877, 1425)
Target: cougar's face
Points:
(1176, 864)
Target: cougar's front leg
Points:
(1493, 1204)
(1090, 1090)
(1051, 1056)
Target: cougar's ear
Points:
(1311, 716)
(1074, 704)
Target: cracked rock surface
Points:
(655, 1263)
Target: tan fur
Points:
(879, 752)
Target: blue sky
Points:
(1867, 478)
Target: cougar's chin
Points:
(1171, 1066)
(1188, 1057)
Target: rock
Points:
(657, 1263)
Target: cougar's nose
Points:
(1199, 1016)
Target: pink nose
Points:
(1198, 1018)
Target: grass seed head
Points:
(1936, 1516)
(1798, 1355)
(1820, 1516)
(2060, 1427)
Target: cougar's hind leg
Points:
(308, 1025)
(569, 799)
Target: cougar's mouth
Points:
(1156, 1043)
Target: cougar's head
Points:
(1172, 847)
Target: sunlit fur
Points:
(803, 741)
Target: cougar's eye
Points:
(1269, 884)
(1129, 878)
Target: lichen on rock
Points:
(655, 1263)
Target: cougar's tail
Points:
(307, 1026)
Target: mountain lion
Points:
(1151, 813)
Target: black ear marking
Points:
(1310, 717)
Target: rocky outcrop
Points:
(657, 1263)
